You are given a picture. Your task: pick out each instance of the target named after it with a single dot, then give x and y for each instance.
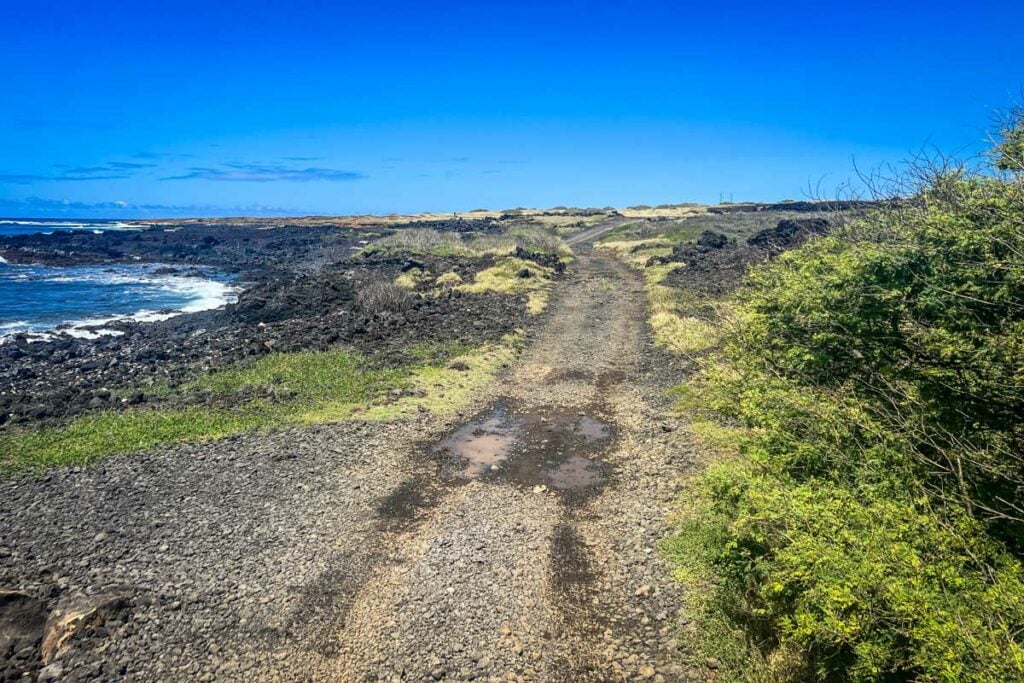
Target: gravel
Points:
(338, 552)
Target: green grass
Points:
(338, 377)
(320, 387)
(93, 436)
(311, 375)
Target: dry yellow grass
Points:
(507, 277)
(663, 212)
(449, 279)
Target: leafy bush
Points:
(869, 527)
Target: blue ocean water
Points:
(41, 299)
(29, 226)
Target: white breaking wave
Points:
(204, 294)
(70, 225)
(200, 294)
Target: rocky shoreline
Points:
(301, 292)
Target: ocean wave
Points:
(193, 294)
(69, 225)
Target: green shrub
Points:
(870, 527)
(1009, 150)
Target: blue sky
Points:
(204, 108)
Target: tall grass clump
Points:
(429, 241)
(423, 241)
(868, 524)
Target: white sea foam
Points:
(91, 334)
(200, 294)
(49, 227)
(70, 225)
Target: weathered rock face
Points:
(36, 636)
(712, 240)
(22, 622)
(788, 234)
(81, 616)
(715, 265)
(540, 258)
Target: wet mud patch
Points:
(321, 606)
(553, 448)
(610, 378)
(569, 560)
(584, 376)
(573, 579)
(401, 509)
(481, 446)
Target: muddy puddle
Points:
(537, 447)
(483, 445)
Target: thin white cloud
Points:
(267, 173)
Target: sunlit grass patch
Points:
(93, 436)
(411, 278)
(301, 388)
(636, 253)
(682, 334)
(449, 279)
(423, 241)
(537, 301)
(304, 379)
(673, 328)
(441, 243)
(309, 376)
(445, 388)
(515, 276)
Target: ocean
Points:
(43, 301)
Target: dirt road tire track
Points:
(342, 553)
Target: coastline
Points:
(302, 293)
(177, 291)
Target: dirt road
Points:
(518, 542)
(602, 228)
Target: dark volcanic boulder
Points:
(710, 239)
(296, 297)
(788, 234)
(541, 258)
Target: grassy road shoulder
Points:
(273, 392)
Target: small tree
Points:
(1009, 149)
